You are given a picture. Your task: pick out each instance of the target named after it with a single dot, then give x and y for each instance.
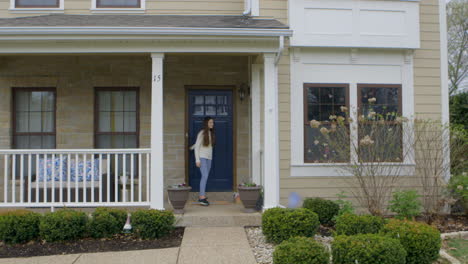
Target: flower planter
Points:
(249, 197)
(178, 197)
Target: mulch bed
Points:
(450, 223)
(90, 245)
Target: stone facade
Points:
(76, 76)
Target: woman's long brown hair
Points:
(207, 131)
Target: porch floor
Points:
(218, 214)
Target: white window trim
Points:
(300, 168)
(14, 9)
(116, 10)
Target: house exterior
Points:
(101, 99)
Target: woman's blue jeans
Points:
(205, 171)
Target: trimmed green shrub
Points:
(63, 225)
(19, 226)
(351, 224)
(279, 224)
(325, 209)
(106, 222)
(367, 249)
(405, 204)
(119, 214)
(151, 224)
(421, 241)
(300, 250)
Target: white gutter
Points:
(248, 8)
(262, 32)
(280, 50)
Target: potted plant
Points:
(249, 194)
(178, 195)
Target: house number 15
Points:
(157, 78)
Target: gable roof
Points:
(153, 21)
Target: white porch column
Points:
(256, 130)
(271, 132)
(157, 140)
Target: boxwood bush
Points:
(279, 224)
(19, 226)
(351, 224)
(106, 222)
(367, 249)
(63, 225)
(300, 250)
(151, 224)
(325, 209)
(421, 241)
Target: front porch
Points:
(77, 164)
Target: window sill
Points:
(333, 169)
(36, 10)
(118, 10)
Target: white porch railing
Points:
(75, 178)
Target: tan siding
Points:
(196, 7)
(427, 62)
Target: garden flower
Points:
(333, 127)
(332, 117)
(459, 187)
(366, 141)
(371, 114)
(372, 100)
(316, 142)
(343, 108)
(340, 119)
(314, 123)
(324, 130)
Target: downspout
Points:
(280, 50)
(248, 8)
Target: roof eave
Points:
(262, 32)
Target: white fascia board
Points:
(18, 31)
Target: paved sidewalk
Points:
(215, 245)
(204, 245)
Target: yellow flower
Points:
(324, 130)
(314, 123)
(366, 141)
(332, 117)
(340, 119)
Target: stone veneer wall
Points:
(75, 76)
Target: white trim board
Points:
(351, 66)
(174, 45)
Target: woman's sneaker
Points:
(204, 202)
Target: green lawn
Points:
(458, 248)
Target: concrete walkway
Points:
(207, 245)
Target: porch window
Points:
(117, 117)
(118, 3)
(34, 118)
(320, 102)
(379, 108)
(37, 3)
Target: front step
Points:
(214, 196)
(217, 215)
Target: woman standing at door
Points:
(203, 148)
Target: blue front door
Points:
(217, 104)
